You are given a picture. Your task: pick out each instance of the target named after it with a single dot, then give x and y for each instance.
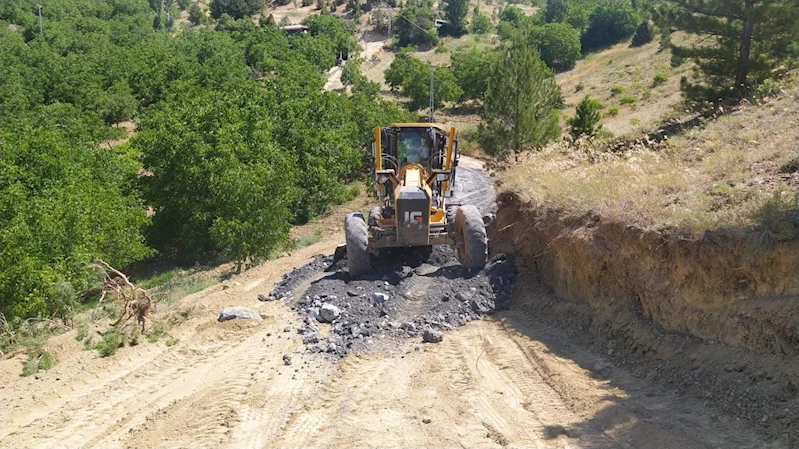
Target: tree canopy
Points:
(520, 111)
(235, 140)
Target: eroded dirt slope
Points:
(511, 379)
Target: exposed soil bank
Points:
(711, 318)
(719, 287)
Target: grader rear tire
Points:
(357, 238)
(471, 236)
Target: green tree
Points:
(512, 14)
(556, 11)
(587, 117)
(237, 9)
(610, 23)
(520, 109)
(742, 40)
(644, 34)
(219, 182)
(403, 67)
(63, 204)
(472, 69)
(415, 24)
(559, 44)
(417, 88)
(481, 24)
(196, 14)
(456, 12)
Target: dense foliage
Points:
(472, 68)
(520, 110)
(413, 77)
(237, 9)
(236, 139)
(559, 44)
(456, 12)
(416, 24)
(610, 22)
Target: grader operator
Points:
(414, 166)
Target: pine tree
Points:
(456, 12)
(745, 39)
(520, 107)
(586, 118)
(643, 35)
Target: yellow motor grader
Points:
(414, 166)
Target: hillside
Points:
(736, 172)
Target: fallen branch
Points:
(136, 302)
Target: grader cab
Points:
(414, 166)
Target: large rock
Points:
(238, 312)
(432, 336)
(379, 297)
(328, 313)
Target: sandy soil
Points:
(508, 380)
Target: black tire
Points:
(357, 237)
(452, 211)
(471, 238)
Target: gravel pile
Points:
(410, 293)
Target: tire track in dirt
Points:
(72, 423)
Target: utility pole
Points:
(41, 30)
(389, 22)
(432, 94)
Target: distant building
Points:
(292, 30)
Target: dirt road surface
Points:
(510, 379)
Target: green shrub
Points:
(83, 331)
(579, 87)
(38, 360)
(617, 90)
(629, 99)
(558, 43)
(769, 88)
(660, 78)
(481, 24)
(612, 112)
(635, 121)
(112, 340)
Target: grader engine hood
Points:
(413, 210)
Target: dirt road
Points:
(510, 379)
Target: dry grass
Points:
(634, 70)
(736, 172)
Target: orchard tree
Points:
(742, 40)
(219, 181)
(416, 24)
(481, 24)
(520, 111)
(559, 44)
(403, 67)
(556, 11)
(472, 68)
(237, 9)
